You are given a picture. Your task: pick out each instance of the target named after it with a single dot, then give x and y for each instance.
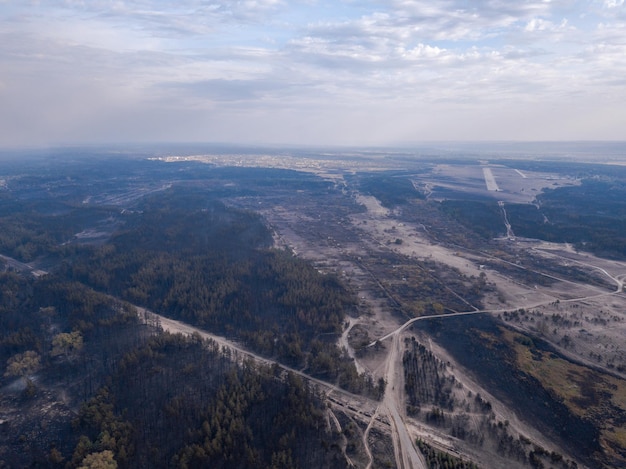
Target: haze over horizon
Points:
(310, 72)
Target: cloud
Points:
(320, 70)
(539, 24)
(224, 90)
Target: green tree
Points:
(102, 460)
(67, 344)
(23, 364)
(55, 457)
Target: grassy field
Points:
(589, 394)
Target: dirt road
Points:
(407, 455)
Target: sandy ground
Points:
(594, 317)
(378, 227)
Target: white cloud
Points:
(539, 24)
(319, 70)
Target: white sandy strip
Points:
(490, 180)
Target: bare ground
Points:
(377, 230)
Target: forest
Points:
(591, 216)
(391, 188)
(483, 217)
(437, 397)
(496, 364)
(118, 391)
(186, 255)
(85, 383)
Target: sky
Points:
(309, 72)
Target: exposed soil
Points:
(377, 230)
